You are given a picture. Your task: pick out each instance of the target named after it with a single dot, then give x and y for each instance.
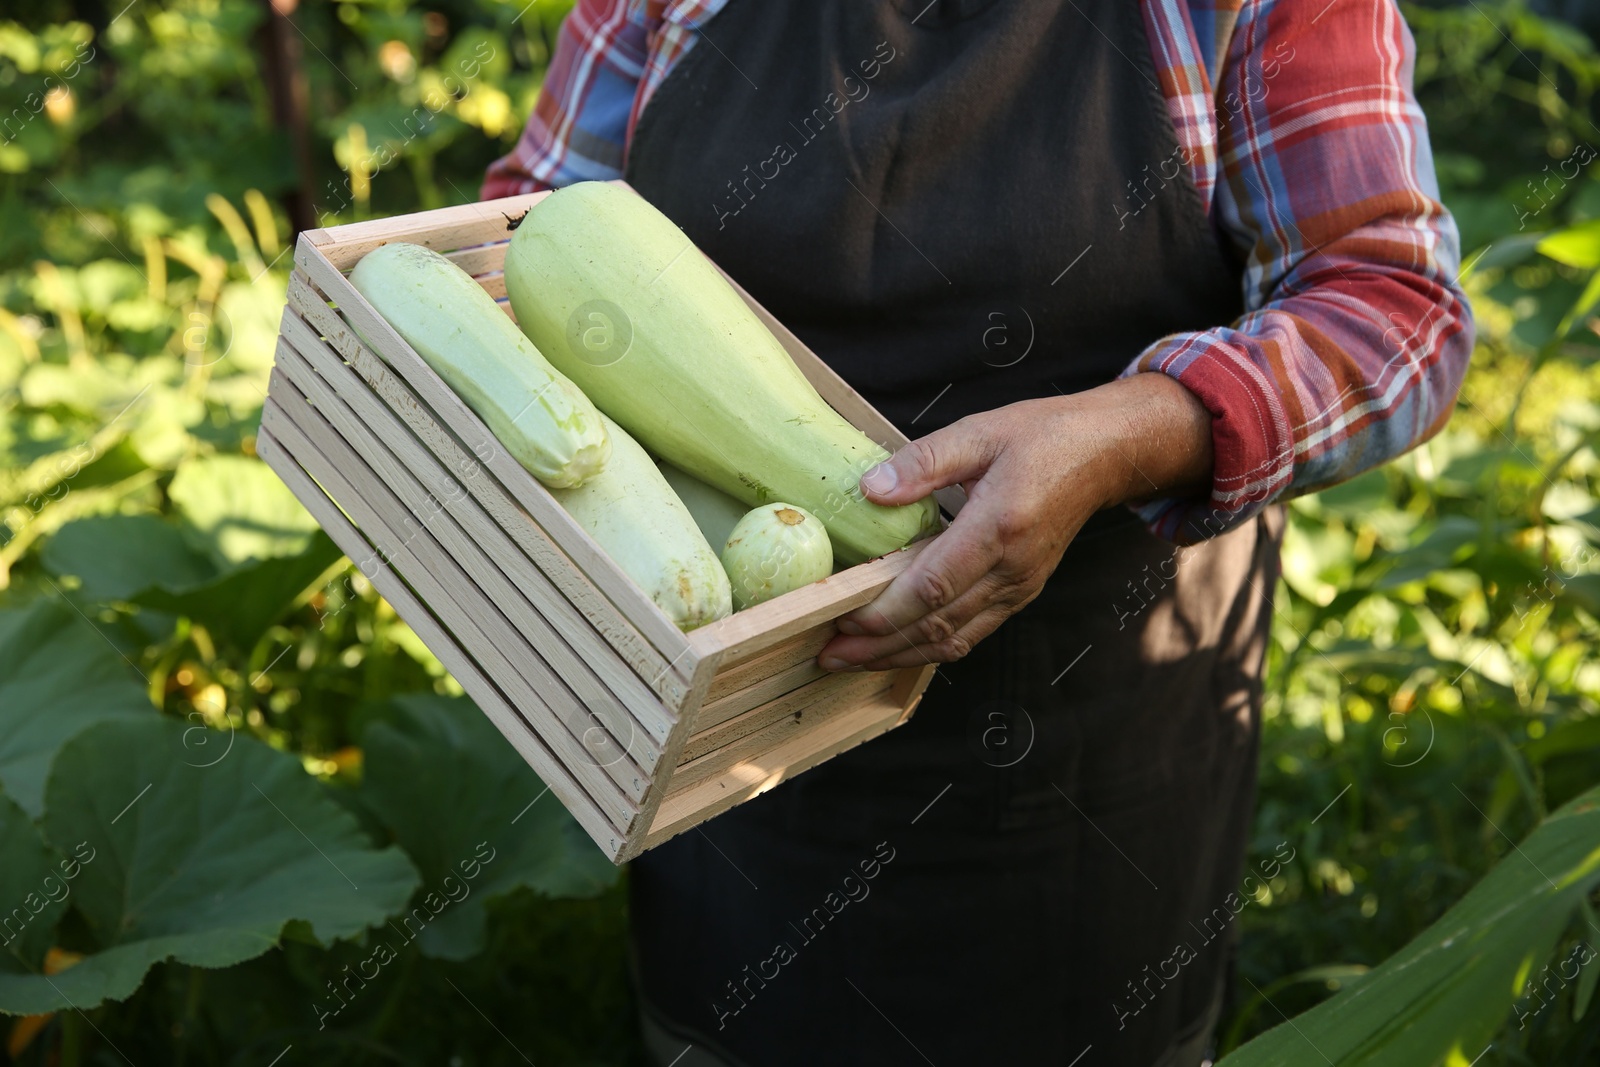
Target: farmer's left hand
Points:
(1034, 472)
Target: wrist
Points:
(1157, 440)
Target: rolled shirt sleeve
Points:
(1357, 333)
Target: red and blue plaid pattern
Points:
(1297, 122)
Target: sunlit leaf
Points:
(149, 561)
(240, 509)
(1449, 990)
(1576, 246)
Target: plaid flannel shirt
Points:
(1296, 121)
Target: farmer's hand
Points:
(1034, 472)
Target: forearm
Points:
(1156, 439)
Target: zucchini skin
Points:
(542, 418)
(715, 512)
(775, 549)
(618, 298)
(633, 514)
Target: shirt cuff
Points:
(1252, 446)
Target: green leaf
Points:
(1576, 246)
(1357, 498)
(1584, 994)
(240, 510)
(34, 886)
(473, 817)
(58, 676)
(202, 865)
(1582, 306)
(117, 557)
(1447, 992)
(145, 560)
(238, 606)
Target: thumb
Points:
(957, 453)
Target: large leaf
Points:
(58, 675)
(1447, 992)
(453, 792)
(148, 561)
(117, 557)
(240, 604)
(240, 510)
(34, 885)
(202, 865)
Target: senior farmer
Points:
(1176, 254)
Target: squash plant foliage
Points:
(244, 813)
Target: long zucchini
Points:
(616, 297)
(541, 417)
(634, 515)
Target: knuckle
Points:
(953, 648)
(1013, 522)
(934, 589)
(936, 628)
(919, 459)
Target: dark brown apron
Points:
(959, 205)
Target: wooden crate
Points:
(642, 731)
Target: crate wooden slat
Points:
(640, 730)
(441, 642)
(561, 673)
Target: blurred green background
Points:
(164, 604)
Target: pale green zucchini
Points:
(715, 512)
(633, 514)
(617, 298)
(774, 549)
(544, 421)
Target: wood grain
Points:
(443, 229)
(607, 600)
(582, 700)
(576, 649)
(804, 710)
(429, 570)
(444, 645)
(758, 773)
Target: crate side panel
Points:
(574, 647)
(460, 665)
(785, 655)
(691, 807)
(667, 676)
(460, 609)
(806, 710)
(461, 533)
(451, 413)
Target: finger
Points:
(951, 564)
(949, 650)
(960, 452)
(931, 629)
